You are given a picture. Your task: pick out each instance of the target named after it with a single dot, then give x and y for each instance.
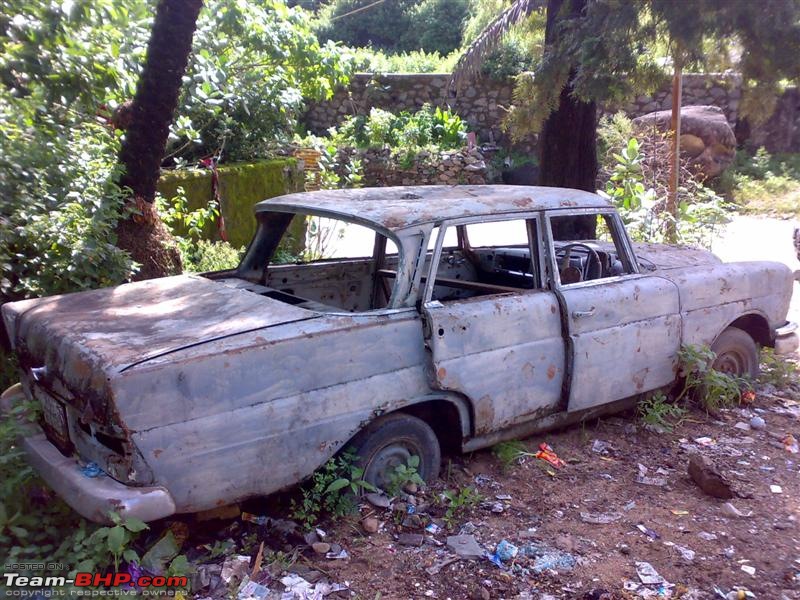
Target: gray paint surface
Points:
(210, 391)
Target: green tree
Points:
(606, 51)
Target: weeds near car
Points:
(459, 502)
(331, 491)
(510, 453)
(776, 370)
(659, 413)
(404, 474)
(711, 388)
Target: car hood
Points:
(88, 336)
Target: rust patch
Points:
(551, 371)
(441, 373)
(522, 202)
(157, 452)
(553, 308)
(484, 414)
(528, 370)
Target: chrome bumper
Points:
(92, 497)
(786, 339)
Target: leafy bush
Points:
(368, 60)
(403, 475)
(459, 502)
(330, 491)
(399, 25)
(776, 369)
(711, 388)
(57, 220)
(643, 209)
(658, 412)
(763, 183)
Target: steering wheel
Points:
(591, 254)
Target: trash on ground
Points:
(547, 558)
(235, 568)
(738, 593)
(157, 558)
(300, 589)
(643, 478)
(435, 568)
(749, 570)
(776, 489)
(547, 454)
(433, 528)
(250, 590)
(708, 478)
(730, 510)
(602, 447)
(705, 441)
(505, 551)
(466, 546)
(790, 444)
(686, 553)
(337, 554)
(411, 539)
(648, 575)
(707, 536)
(648, 532)
(600, 518)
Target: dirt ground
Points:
(684, 534)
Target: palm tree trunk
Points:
(143, 235)
(568, 141)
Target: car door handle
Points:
(579, 314)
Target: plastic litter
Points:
(645, 479)
(648, 575)
(250, 590)
(432, 528)
(235, 567)
(91, 470)
(340, 555)
(730, 510)
(505, 550)
(737, 593)
(466, 546)
(790, 444)
(686, 553)
(749, 570)
(257, 519)
(776, 489)
(298, 588)
(648, 532)
(547, 558)
(600, 518)
(601, 447)
(547, 454)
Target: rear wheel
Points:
(737, 353)
(391, 441)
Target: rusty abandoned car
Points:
(477, 314)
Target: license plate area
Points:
(54, 420)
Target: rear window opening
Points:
(320, 263)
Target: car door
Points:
(624, 327)
(494, 338)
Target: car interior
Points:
(476, 260)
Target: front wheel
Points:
(737, 353)
(391, 441)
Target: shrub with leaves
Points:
(331, 491)
(777, 370)
(711, 388)
(656, 410)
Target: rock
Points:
(321, 547)
(413, 521)
(758, 423)
(379, 500)
(370, 524)
(692, 145)
(411, 488)
(706, 123)
(480, 593)
(466, 546)
(410, 539)
(708, 478)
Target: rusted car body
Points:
(196, 391)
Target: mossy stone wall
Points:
(241, 187)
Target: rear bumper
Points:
(786, 339)
(92, 497)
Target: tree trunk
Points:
(568, 141)
(143, 235)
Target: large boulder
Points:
(707, 138)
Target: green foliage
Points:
(459, 503)
(368, 60)
(700, 209)
(60, 207)
(197, 255)
(403, 474)
(659, 413)
(762, 183)
(116, 540)
(331, 491)
(426, 127)
(776, 369)
(399, 25)
(510, 453)
(611, 51)
(711, 388)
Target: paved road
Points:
(757, 238)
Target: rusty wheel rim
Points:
(383, 463)
(731, 363)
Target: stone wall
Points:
(482, 104)
(449, 167)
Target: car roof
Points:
(400, 207)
